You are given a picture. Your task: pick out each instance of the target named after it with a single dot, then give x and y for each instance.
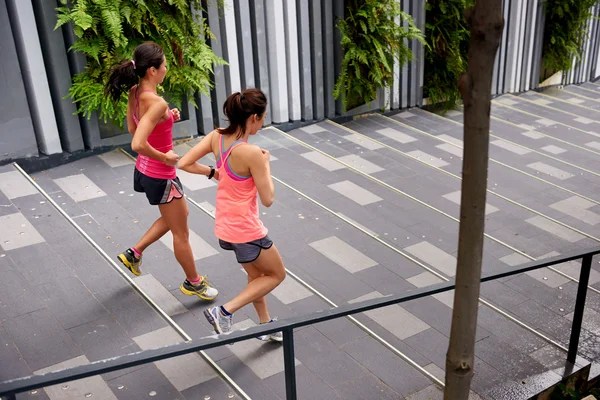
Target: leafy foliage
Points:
(109, 30)
(371, 40)
(447, 37)
(564, 32)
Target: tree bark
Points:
(486, 24)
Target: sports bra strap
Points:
(137, 101)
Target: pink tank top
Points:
(236, 217)
(161, 139)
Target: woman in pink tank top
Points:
(150, 121)
(244, 176)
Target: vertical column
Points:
(328, 58)
(292, 62)
(420, 54)
(530, 45)
(304, 53)
(59, 75)
(316, 43)
(395, 95)
(277, 61)
(404, 81)
(204, 113)
(244, 43)
(230, 49)
(520, 37)
(259, 49)
(414, 68)
(219, 92)
(33, 70)
(513, 45)
(537, 57)
(16, 127)
(338, 13)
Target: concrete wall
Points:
(17, 136)
(288, 48)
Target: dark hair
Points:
(125, 75)
(240, 106)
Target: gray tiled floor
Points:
(88, 312)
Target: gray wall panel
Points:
(17, 136)
(316, 44)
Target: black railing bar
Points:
(533, 265)
(143, 357)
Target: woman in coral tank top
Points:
(150, 121)
(244, 172)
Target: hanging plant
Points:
(372, 41)
(108, 31)
(447, 36)
(564, 33)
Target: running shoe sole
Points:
(127, 264)
(211, 320)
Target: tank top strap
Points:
(137, 102)
(228, 152)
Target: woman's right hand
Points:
(171, 158)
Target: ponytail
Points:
(122, 78)
(127, 74)
(240, 106)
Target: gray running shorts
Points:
(247, 252)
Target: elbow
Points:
(184, 165)
(268, 202)
(137, 146)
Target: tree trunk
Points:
(486, 24)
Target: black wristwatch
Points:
(212, 172)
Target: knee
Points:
(280, 275)
(182, 236)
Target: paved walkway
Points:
(362, 211)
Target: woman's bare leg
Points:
(175, 215)
(270, 264)
(156, 231)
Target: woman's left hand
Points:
(176, 114)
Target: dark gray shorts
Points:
(247, 252)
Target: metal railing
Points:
(9, 389)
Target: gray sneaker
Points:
(221, 323)
(271, 337)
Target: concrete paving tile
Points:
(79, 187)
(394, 318)
(396, 135)
(355, 193)
(17, 232)
(434, 256)
(13, 185)
(308, 384)
(216, 388)
(70, 301)
(132, 312)
(160, 294)
(143, 382)
(116, 159)
(12, 364)
(264, 359)
(342, 254)
(361, 164)
(183, 371)
(94, 385)
(255, 387)
(366, 387)
(17, 296)
(40, 339)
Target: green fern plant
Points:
(371, 41)
(564, 33)
(108, 31)
(447, 36)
